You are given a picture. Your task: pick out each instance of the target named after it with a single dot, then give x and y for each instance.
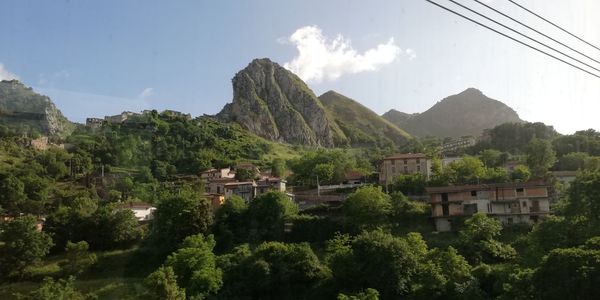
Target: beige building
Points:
(246, 190)
(510, 203)
(212, 174)
(402, 164)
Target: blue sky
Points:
(101, 57)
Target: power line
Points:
(548, 21)
(523, 35)
(535, 30)
(512, 38)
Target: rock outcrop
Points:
(25, 110)
(274, 103)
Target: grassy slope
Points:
(108, 279)
(361, 124)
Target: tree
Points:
(367, 207)
(124, 185)
(468, 170)
(368, 294)
(111, 227)
(178, 216)
(278, 167)
(245, 174)
(23, 246)
(386, 263)
(324, 172)
(572, 161)
(406, 213)
(78, 258)
(52, 290)
(230, 223)
(540, 156)
(569, 273)
(521, 173)
(583, 197)
(162, 285)
(275, 270)
(477, 239)
(491, 158)
(411, 184)
(13, 193)
(268, 214)
(194, 264)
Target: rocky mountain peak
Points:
(274, 103)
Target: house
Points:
(216, 200)
(217, 185)
(565, 177)
(401, 164)
(176, 114)
(267, 184)
(213, 174)
(120, 118)
(94, 123)
(458, 144)
(143, 211)
(353, 177)
(246, 190)
(524, 202)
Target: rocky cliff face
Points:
(272, 102)
(23, 109)
(466, 113)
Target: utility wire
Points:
(548, 21)
(535, 30)
(512, 38)
(523, 35)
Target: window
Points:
(520, 190)
(524, 203)
(393, 162)
(419, 168)
(418, 161)
(405, 169)
(510, 220)
(405, 162)
(393, 169)
(474, 193)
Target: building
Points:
(120, 118)
(401, 164)
(510, 203)
(217, 185)
(246, 190)
(213, 174)
(216, 200)
(565, 177)
(176, 114)
(457, 144)
(268, 184)
(142, 211)
(94, 123)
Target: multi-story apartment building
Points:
(402, 164)
(212, 174)
(524, 202)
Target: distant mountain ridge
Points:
(23, 109)
(466, 113)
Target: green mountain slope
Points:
(361, 125)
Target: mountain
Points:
(361, 125)
(467, 113)
(274, 103)
(24, 110)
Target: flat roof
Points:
(406, 156)
(460, 188)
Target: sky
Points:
(96, 58)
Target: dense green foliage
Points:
(23, 245)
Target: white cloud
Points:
(321, 58)
(147, 92)
(5, 74)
